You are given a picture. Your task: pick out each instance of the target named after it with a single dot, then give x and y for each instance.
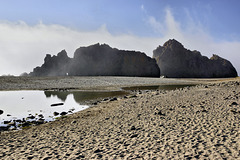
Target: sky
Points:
(30, 29)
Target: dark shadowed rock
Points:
(53, 65)
(98, 60)
(1, 112)
(175, 61)
(102, 60)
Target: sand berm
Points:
(199, 122)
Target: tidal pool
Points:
(44, 106)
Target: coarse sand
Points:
(199, 122)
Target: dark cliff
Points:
(53, 65)
(177, 62)
(99, 60)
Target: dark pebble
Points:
(74, 122)
(1, 112)
(97, 151)
(41, 116)
(234, 104)
(63, 113)
(113, 99)
(57, 104)
(105, 99)
(159, 113)
(133, 128)
(31, 117)
(134, 135)
(55, 113)
(95, 103)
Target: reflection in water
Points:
(36, 106)
(81, 96)
(19, 106)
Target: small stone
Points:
(1, 112)
(74, 122)
(55, 113)
(63, 113)
(113, 99)
(97, 151)
(159, 113)
(134, 135)
(133, 128)
(234, 104)
(95, 103)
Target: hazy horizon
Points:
(31, 29)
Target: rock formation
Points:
(99, 60)
(177, 62)
(53, 65)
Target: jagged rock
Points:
(98, 60)
(177, 62)
(53, 65)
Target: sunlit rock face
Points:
(177, 62)
(99, 60)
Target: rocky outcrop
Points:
(98, 60)
(102, 60)
(53, 65)
(177, 62)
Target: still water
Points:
(45, 104)
(48, 105)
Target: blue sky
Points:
(31, 28)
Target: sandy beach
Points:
(199, 122)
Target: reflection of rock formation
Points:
(81, 96)
(98, 60)
(176, 61)
(60, 95)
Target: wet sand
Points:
(200, 122)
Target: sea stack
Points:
(99, 60)
(175, 61)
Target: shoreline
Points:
(194, 122)
(93, 83)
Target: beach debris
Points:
(1, 112)
(57, 104)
